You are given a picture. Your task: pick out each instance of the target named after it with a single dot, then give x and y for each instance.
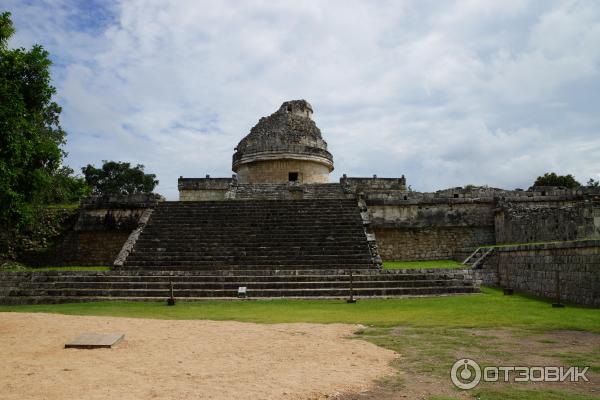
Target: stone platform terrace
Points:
(144, 285)
(275, 248)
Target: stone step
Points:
(232, 264)
(249, 245)
(278, 205)
(267, 257)
(152, 273)
(234, 267)
(256, 240)
(252, 251)
(246, 278)
(231, 293)
(238, 258)
(15, 300)
(323, 215)
(249, 227)
(201, 229)
(256, 231)
(104, 285)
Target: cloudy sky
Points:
(446, 93)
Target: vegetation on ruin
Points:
(429, 264)
(552, 179)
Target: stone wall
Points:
(203, 189)
(277, 171)
(416, 227)
(287, 191)
(368, 184)
(430, 243)
(544, 219)
(532, 269)
(432, 214)
(46, 226)
(79, 248)
(103, 225)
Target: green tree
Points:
(66, 188)
(552, 179)
(30, 133)
(593, 183)
(118, 178)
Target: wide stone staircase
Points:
(247, 235)
(79, 286)
(273, 248)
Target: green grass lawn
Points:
(422, 264)
(487, 310)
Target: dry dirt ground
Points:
(184, 360)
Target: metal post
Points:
(557, 303)
(351, 300)
(171, 299)
(507, 290)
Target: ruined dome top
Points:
(288, 133)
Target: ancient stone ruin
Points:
(280, 228)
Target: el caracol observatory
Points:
(286, 146)
(284, 156)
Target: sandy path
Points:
(182, 359)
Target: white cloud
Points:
(446, 93)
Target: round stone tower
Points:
(284, 147)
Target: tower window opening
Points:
(289, 109)
(293, 177)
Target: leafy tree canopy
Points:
(116, 177)
(593, 183)
(552, 179)
(30, 133)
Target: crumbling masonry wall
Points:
(532, 269)
(102, 227)
(563, 217)
(203, 189)
(423, 226)
(451, 223)
(429, 243)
